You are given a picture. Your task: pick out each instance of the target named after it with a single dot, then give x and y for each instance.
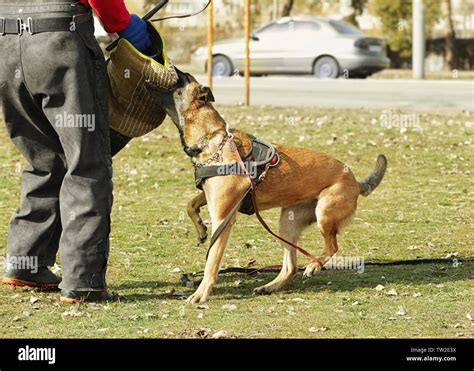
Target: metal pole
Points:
(247, 53)
(418, 51)
(276, 6)
(210, 43)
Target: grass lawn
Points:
(423, 209)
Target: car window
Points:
(300, 26)
(345, 28)
(273, 29)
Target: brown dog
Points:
(310, 186)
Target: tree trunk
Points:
(451, 50)
(287, 8)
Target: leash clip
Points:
(22, 26)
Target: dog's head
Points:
(187, 95)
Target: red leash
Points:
(257, 213)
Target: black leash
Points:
(182, 16)
(188, 282)
(152, 12)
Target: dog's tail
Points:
(375, 177)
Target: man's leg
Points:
(35, 229)
(73, 93)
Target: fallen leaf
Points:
(469, 316)
(33, 299)
(203, 333)
(229, 307)
(298, 300)
(379, 287)
(73, 312)
(416, 295)
(315, 329)
(220, 335)
(250, 243)
(237, 283)
(401, 311)
(392, 292)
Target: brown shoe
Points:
(43, 279)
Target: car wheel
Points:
(221, 66)
(326, 68)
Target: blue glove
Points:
(137, 33)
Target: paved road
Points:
(426, 95)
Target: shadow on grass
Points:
(340, 280)
(143, 285)
(373, 275)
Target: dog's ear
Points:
(205, 94)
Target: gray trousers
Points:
(53, 97)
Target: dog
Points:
(308, 185)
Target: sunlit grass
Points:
(424, 208)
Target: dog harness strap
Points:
(260, 155)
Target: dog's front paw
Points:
(196, 299)
(312, 269)
(200, 296)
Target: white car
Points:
(300, 45)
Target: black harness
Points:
(261, 156)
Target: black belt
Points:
(38, 25)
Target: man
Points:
(53, 97)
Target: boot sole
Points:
(21, 283)
(70, 301)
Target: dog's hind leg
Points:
(293, 220)
(335, 209)
(194, 208)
